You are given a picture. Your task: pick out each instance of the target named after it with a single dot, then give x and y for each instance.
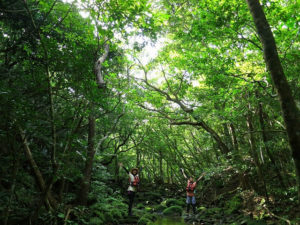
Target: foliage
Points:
(172, 202)
(233, 205)
(159, 208)
(173, 211)
(143, 221)
(205, 102)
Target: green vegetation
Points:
(173, 211)
(209, 86)
(172, 202)
(159, 208)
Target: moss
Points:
(140, 206)
(151, 223)
(201, 208)
(152, 197)
(233, 205)
(114, 214)
(173, 211)
(129, 220)
(148, 209)
(173, 201)
(144, 221)
(147, 219)
(95, 220)
(151, 217)
(159, 208)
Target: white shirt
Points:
(131, 188)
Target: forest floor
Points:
(168, 207)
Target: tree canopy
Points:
(209, 86)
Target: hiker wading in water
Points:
(134, 182)
(190, 191)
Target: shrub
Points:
(173, 211)
(153, 197)
(140, 206)
(151, 217)
(96, 221)
(159, 208)
(201, 209)
(172, 202)
(143, 221)
(213, 211)
(233, 205)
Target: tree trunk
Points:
(265, 141)
(168, 172)
(161, 167)
(49, 200)
(16, 165)
(234, 139)
(98, 67)
(228, 138)
(222, 146)
(117, 170)
(197, 162)
(254, 152)
(85, 183)
(171, 175)
(287, 102)
(138, 157)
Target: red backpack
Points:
(135, 182)
(190, 187)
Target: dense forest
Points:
(108, 104)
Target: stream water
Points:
(170, 221)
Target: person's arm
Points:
(200, 177)
(182, 171)
(121, 165)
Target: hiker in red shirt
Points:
(190, 191)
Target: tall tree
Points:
(289, 109)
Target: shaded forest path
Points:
(166, 206)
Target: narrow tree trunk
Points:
(234, 139)
(171, 175)
(172, 145)
(228, 139)
(61, 189)
(66, 163)
(85, 183)
(237, 155)
(161, 167)
(37, 173)
(168, 172)
(222, 146)
(254, 152)
(197, 146)
(12, 189)
(98, 67)
(117, 169)
(138, 157)
(265, 141)
(287, 102)
(198, 162)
